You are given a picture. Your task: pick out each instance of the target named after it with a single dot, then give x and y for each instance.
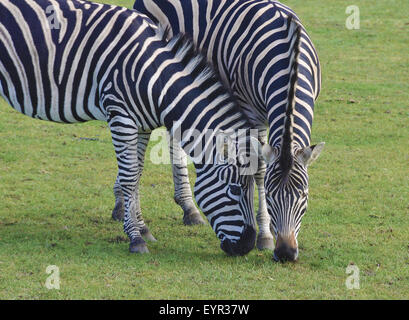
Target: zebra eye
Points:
(234, 192)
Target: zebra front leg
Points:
(118, 211)
(183, 193)
(124, 137)
(265, 239)
(143, 140)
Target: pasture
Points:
(56, 191)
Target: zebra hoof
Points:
(264, 243)
(119, 211)
(192, 217)
(138, 246)
(147, 235)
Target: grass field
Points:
(56, 191)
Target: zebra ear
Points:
(309, 154)
(269, 153)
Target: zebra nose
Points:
(285, 253)
(242, 246)
(286, 248)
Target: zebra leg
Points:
(124, 137)
(265, 239)
(143, 140)
(183, 193)
(119, 209)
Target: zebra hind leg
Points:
(183, 194)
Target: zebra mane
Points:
(286, 155)
(183, 47)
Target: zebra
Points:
(73, 61)
(254, 45)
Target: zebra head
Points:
(287, 194)
(224, 192)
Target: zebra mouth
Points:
(279, 256)
(243, 246)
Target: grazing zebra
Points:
(73, 61)
(253, 45)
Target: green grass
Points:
(56, 191)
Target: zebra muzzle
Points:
(242, 246)
(286, 248)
